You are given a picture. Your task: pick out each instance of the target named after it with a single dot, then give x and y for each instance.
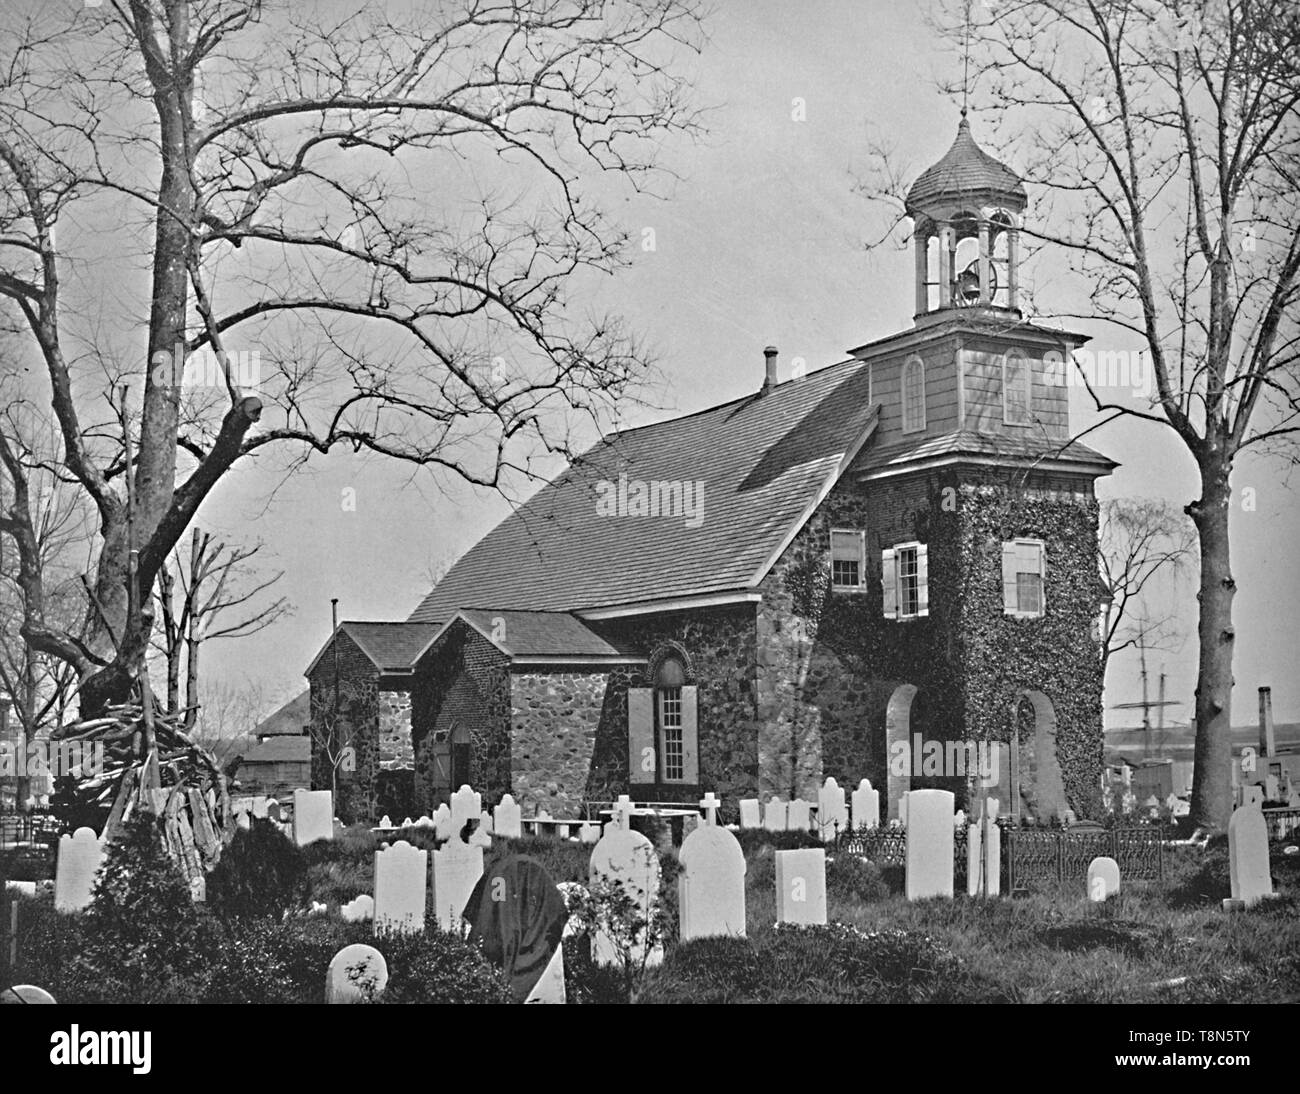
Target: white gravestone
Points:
(775, 816)
(801, 886)
(974, 860)
(751, 813)
(589, 832)
(866, 806)
(711, 887)
(929, 843)
(798, 815)
(313, 816)
(74, 874)
(507, 818)
(442, 828)
(1248, 855)
(401, 885)
(627, 860)
(1103, 879)
(26, 994)
(992, 849)
(550, 988)
(456, 870)
(358, 909)
(466, 805)
(357, 974)
(832, 810)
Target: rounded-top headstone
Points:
(1103, 879)
(357, 974)
(28, 994)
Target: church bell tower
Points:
(966, 211)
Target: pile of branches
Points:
(177, 779)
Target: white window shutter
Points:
(922, 581)
(641, 764)
(690, 735)
(889, 583)
(1010, 564)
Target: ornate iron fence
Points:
(1033, 854)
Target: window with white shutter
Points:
(1024, 578)
(905, 581)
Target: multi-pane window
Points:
(913, 395)
(848, 560)
(1024, 570)
(670, 728)
(909, 592)
(1016, 387)
(904, 581)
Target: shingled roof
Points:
(967, 442)
(392, 647)
(966, 169)
(764, 463)
(526, 636)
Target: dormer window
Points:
(913, 395)
(1016, 389)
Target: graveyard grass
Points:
(1168, 942)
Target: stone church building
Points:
(811, 580)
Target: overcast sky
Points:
(761, 241)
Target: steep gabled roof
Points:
(764, 462)
(527, 636)
(392, 647)
(288, 720)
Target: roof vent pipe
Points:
(769, 376)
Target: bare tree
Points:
(220, 596)
(40, 510)
(1141, 541)
(328, 266)
(335, 722)
(1161, 139)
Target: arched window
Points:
(1016, 389)
(913, 395)
(669, 681)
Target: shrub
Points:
(437, 967)
(849, 877)
(827, 964)
(261, 873)
(1199, 876)
(141, 940)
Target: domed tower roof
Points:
(966, 171)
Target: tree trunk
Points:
(1211, 777)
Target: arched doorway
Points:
(898, 741)
(1038, 786)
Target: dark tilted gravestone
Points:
(518, 915)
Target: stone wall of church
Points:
(465, 681)
(396, 751)
(719, 647)
(555, 719)
(829, 662)
(358, 725)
